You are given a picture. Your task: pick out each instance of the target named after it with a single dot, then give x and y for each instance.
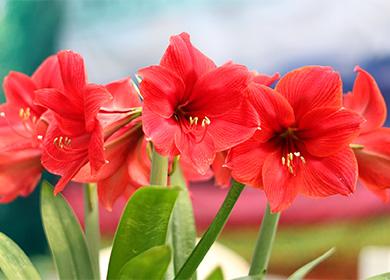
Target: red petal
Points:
(111, 188)
(162, 90)
(221, 172)
(246, 161)
(274, 111)
(20, 172)
(264, 79)
(124, 94)
(327, 130)
(219, 91)
(160, 131)
(185, 60)
(311, 87)
(280, 186)
(58, 102)
(48, 74)
(232, 128)
(95, 149)
(374, 158)
(201, 155)
(72, 72)
(95, 97)
(366, 99)
(139, 164)
(336, 174)
(19, 91)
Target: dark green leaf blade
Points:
(143, 225)
(13, 261)
(301, 272)
(150, 264)
(65, 236)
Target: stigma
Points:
(290, 161)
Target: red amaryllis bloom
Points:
(21, 130)
(222, 174)
(303, 146)
(372, 146)
(74, 135)
(190, 104)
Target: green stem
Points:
(159, 172)
(91, 220)
(212, 233)
(264, 243)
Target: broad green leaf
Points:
(66, 239)
(150, 264)
(301, 273)
(143, 225)
(183, 224)
(13, 261)
(216, 274)
(384, 276)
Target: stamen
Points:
(61, 142)
(194, 120)
(283, 161)
(302, 159)
(297, 154)
(206, 121)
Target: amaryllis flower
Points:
(372, 146)
(222, 174)
(303, 146)
(22, 130)
(74, 135)
(189, 104)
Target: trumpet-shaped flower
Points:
(303, 146)
(194, 108)
(372, 146)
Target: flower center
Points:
(193, 125)
(291, 156)
(28, 120)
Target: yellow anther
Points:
(61, 142)
(302, 159)
(283, 161)
(297, 154)
(291, 170)
(206, 121)
(290, 156)
(194, 121)
(21, 113)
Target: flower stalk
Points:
(212, 232)
(91, 220)
(264, 243)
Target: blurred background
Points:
(116, 37)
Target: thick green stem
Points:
(212, 233)
(91, 220)
(264, 243)
(159, 172)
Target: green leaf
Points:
(13, 261)
(150, 264)
(66, 239)
(143, 225)
(216, 274)
(301, 273)
(384, 276)
(183, 224)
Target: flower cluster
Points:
(302, 136)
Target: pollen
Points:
(206, 121)
(25, 113)
(61, 142)
(194, 120)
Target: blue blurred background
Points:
(118, 37)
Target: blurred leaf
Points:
(384, 276)
(150, 264)
(216, 274)
(183, 224)
(143, 225)
(250, 277)
(301, 273)
(66, 239)
(13, 261)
